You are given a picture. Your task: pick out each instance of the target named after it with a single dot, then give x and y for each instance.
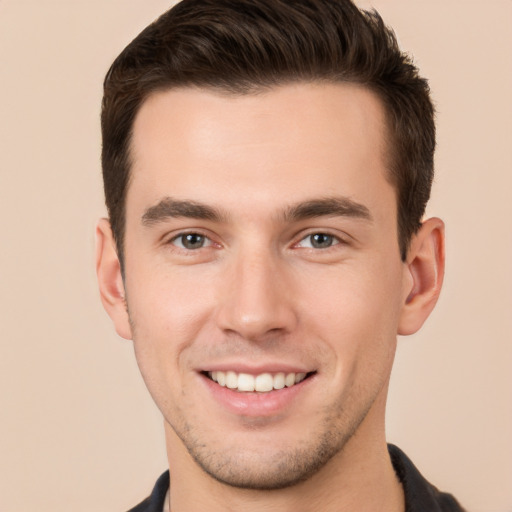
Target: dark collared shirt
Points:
(420, 496)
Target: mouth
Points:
(260, 383)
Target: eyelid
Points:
(171, 238)
(340, 239)
(206, 241)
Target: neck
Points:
(359, 477)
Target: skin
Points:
(257, 291)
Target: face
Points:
(263, 277)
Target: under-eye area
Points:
(261, 383)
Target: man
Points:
(266, 168)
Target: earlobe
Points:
(110, 280)
(424, 275)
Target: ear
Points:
(110, 280)
(424, 270)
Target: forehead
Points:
(300, 140)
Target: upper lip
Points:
(252, 369)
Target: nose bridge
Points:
(254, 300)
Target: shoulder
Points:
(155, 502)
(420, 495)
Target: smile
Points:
(262, 383)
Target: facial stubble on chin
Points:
(282, 469)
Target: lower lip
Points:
(256, 404)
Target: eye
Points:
(319, 241)
(191, 241)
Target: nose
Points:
(256, 297)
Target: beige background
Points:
(78, 431)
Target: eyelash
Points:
(334, 240)
(182, 236)
(208, 242)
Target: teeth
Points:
(231, 380)
(299, 377)
(262, 383)
(289, 380)
(245, 382)
(279, 381)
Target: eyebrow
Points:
(169, 208)
(327, 207)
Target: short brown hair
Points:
(242, 46)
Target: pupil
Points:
(321, 240)
(193, 241)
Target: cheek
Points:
(355, 311)
(169, 304)
(167, 314)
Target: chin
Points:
(267, 469)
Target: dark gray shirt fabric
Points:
(420, 496)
